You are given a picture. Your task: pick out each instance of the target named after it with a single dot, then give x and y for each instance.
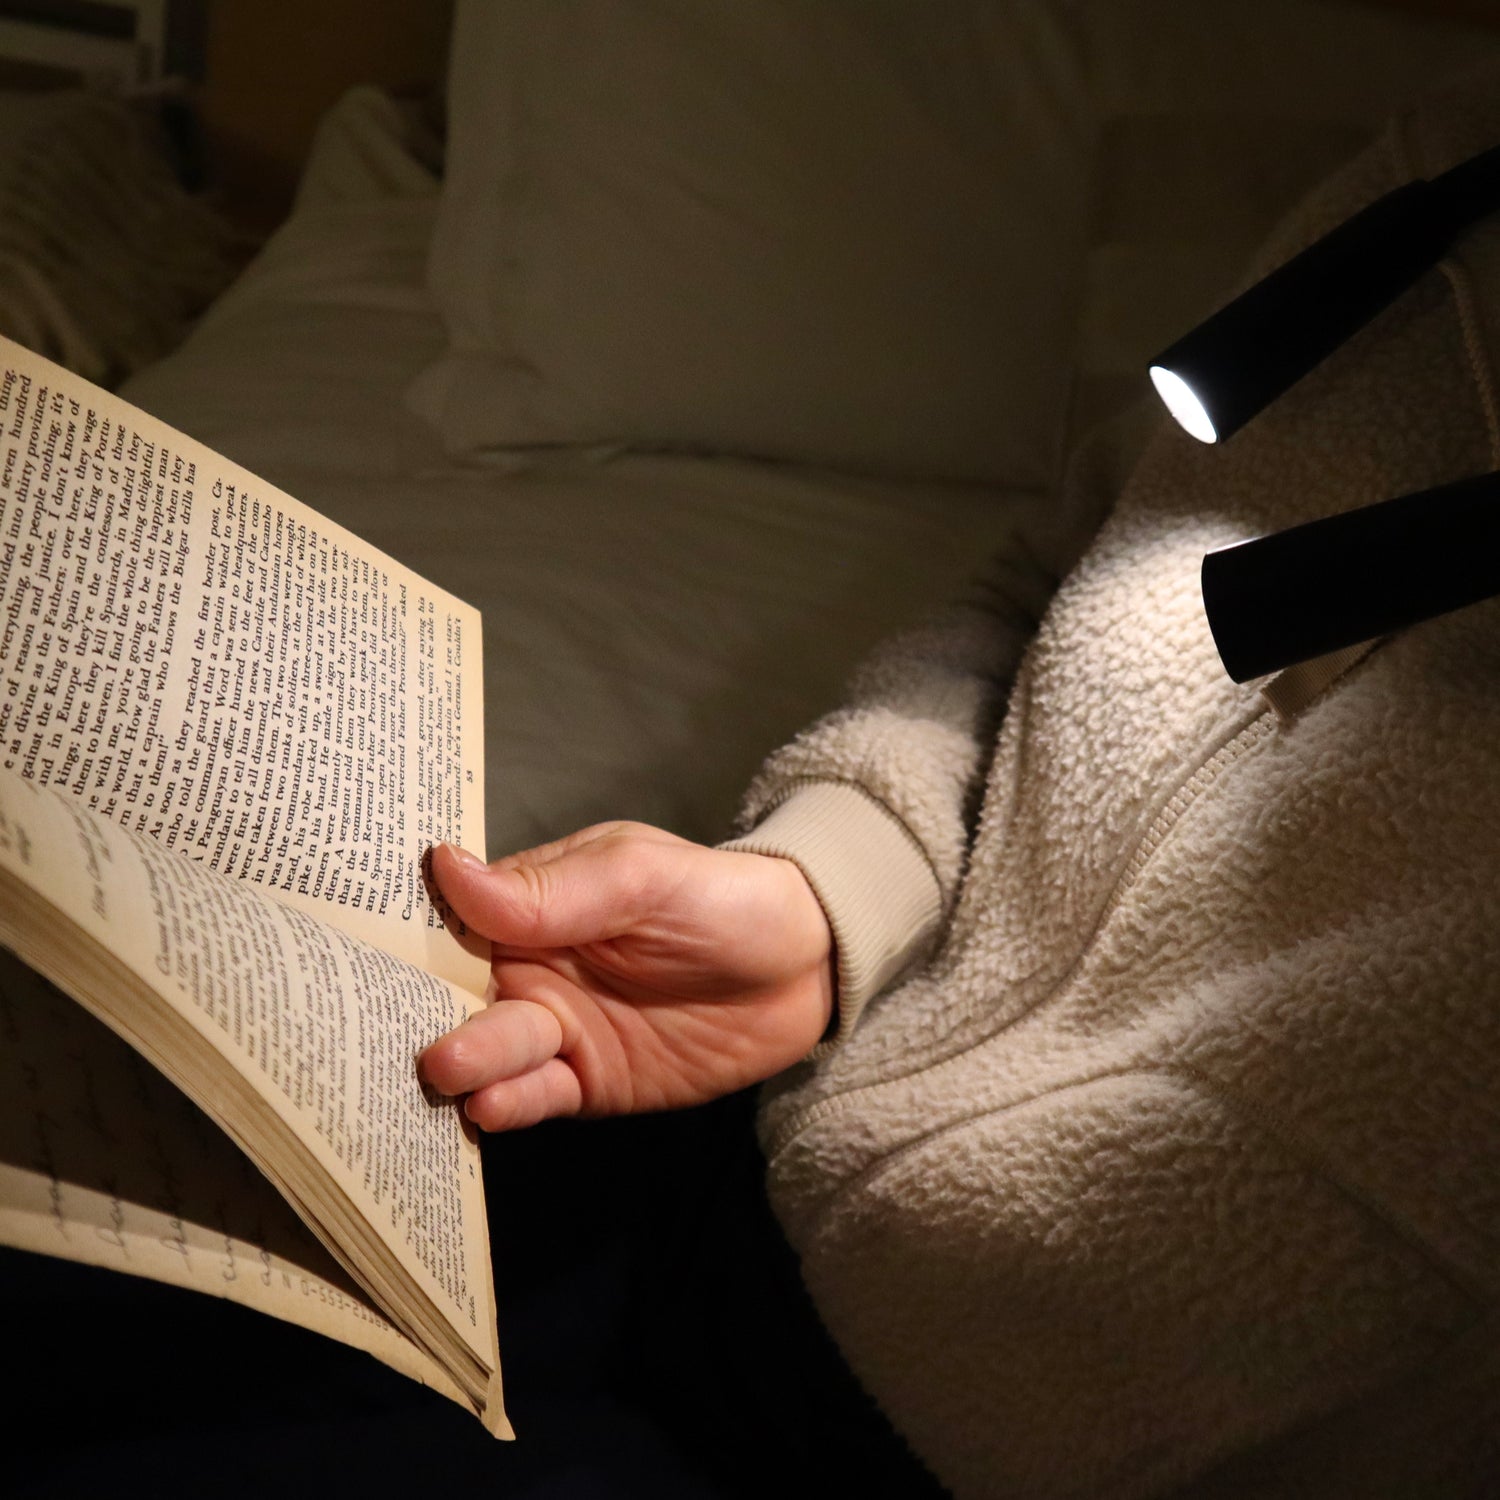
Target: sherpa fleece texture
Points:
(1174, 1164)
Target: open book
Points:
(229, 734)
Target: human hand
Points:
(633, 971)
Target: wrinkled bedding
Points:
(654, 625)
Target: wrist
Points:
(877, 892)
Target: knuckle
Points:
(617, 828)
(529, 894)
(543, 1033)
(638, 836)
(564, 1093)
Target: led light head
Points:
(1181, 400)
(1332, 583)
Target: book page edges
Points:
(123, 944)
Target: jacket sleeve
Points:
(876, 802)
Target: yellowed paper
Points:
(324, 1029)
(203, 659)
(104, 1162)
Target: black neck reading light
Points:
(1335, 582)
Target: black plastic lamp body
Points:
(1332, 583)
(1348, 578)
(1243, 357)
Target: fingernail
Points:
(471, 861)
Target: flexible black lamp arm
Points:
(1332, 583)
(1244, 356)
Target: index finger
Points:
(506, 1039)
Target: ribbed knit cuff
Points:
(876, 887)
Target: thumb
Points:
(583, 892)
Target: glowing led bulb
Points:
(1180, 400)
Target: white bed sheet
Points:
(653, 625)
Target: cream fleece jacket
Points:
(1167, 1156)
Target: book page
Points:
(203, 659)
(102, 1161)
(262, 1014)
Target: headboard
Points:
(260, 72)
(116, 44)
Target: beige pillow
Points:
(891, 236)
(845, 233)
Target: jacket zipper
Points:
(1245, 740)
(1240, 743)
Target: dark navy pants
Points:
(654, 1334)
